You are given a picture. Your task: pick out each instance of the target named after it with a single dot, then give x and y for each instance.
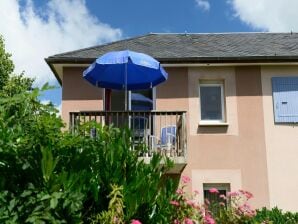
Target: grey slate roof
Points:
(174, 48)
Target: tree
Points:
(6, 64)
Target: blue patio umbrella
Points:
(125, 70)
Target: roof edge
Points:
(247, 32)
(54, 71)
(59, 60)
(100, 45)
(216, 60)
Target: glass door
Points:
(141, 100)
(138, 100)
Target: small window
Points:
(212, 102)
(223, 189)
(285, 95)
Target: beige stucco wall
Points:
(235, 154)
(78, 94)
(240, 147)
(281, 144)
(173, 94)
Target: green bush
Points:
(276, 215)
(56, 177)
(50, 176)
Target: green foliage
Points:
(50, 176)
(17, 84)
(110, 160)
(115, 214)
(6, 64)
(184, 207)
(276, 215)
(236, 208)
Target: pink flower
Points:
(188, 221)
(135, 221)
(175, 203)
(180, 191)
(176, 221)
(196, 192)
(223, 196)
(185, 179)
(207, 202)
(213, 190)
(190, 203)
(209, 220)
(233, 194)
(247, 194)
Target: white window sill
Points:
(207, 124)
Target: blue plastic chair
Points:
(168, 135)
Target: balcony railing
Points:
(163, 132)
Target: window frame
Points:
(153, 89)
(214, 83)
(219, 186)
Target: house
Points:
(232, 97)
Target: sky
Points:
(36, 29)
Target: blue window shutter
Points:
(285, 99)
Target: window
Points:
(138, 100)
(212, 102)
(223, 188)
(285, 103)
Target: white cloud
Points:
(203, 4)
(45, 102)
(32, 34)
(268, 15)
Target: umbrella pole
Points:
(125, 89)
(126, 95)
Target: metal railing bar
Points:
(146, 127)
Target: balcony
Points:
(161, 132)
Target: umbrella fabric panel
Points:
(122, 57)
(139, 77)
(110, 77)
(125, 70)
(113, 77)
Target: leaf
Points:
(25, 165)
(53, 203)
(46, 86)
(48, 164)
(45, 197)
(26, 193)
(12, 204)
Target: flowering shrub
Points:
(186, 210)
(233, 208)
